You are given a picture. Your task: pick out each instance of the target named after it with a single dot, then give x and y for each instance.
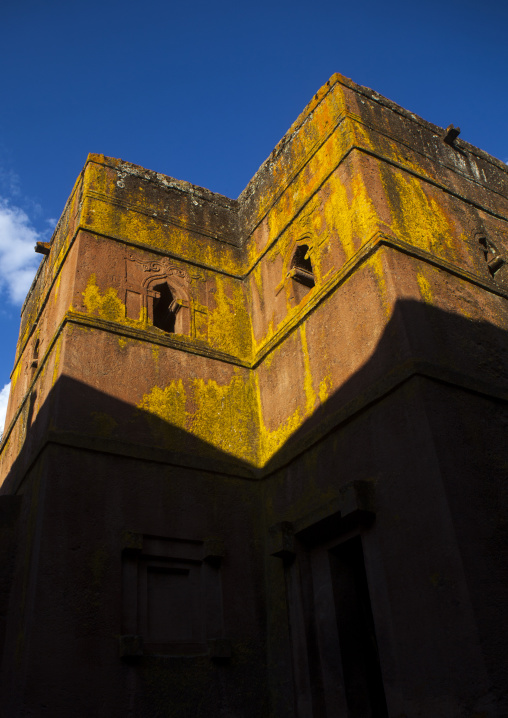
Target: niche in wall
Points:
(171, 597)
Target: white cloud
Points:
(18, 261)
(4, 398)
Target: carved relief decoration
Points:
(157, 292)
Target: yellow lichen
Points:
(104, 424)
(310, 395)
(376, 263)
(151, 231)
(324, 388)
(348, 216)
(229, 415)
(107, 305)
(155, 349)
(349, 212)
(15, 375)
(361, 132)
(166, 403)
(57, 286)
(56, 364)
(201, 323)
(258, 279)
(267, 361)
(405, 157)
(270, 441)
(229, 324)
(418, 218)
(225, 416)
(222, 415)
(425, 288)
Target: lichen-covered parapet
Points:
(159, 213)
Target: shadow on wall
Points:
(419, 340)
(460, 370)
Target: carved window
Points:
(300, 273)
(301, 266)
(165, 308)
(157, 293)
(491, 255)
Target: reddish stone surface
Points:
(255, 456)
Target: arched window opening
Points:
(164, 308)
(301, 260)
(301, 266)
(301, 274)
(491, 255)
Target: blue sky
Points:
(203, 91)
